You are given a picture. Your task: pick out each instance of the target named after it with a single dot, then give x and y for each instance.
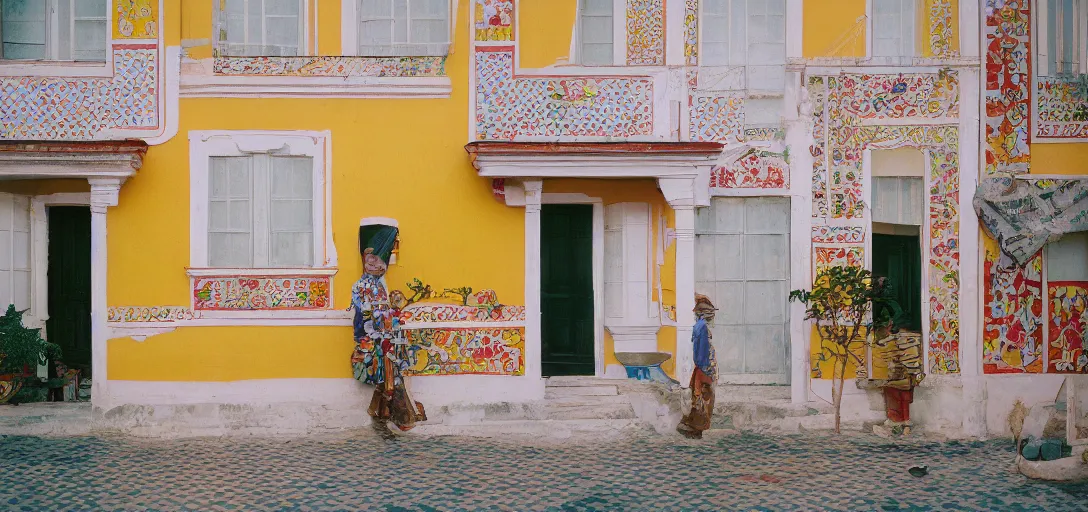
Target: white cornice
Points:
(31, 163)
(204, 86)
(627, 165)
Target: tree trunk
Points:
(837, 384)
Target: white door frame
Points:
(598, 268)
(39, 256)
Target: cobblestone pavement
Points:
(363, 472)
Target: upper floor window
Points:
(1062, 41)
(268, 28)
(257, 200)
(403, 27)
(748, 33)
(892, 28)
(595, 33)
(53, 30)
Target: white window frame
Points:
(740, 81)
(206, 144)
(619, 35)
(307, 30)
(1041, 29)
(349, 29)
(902, 59)
(64, 68)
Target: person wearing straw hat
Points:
(381, 350)
(705, 375)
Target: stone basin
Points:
(642, 358)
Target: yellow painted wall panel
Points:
(222, 354)
(329, 27)
(546, 29)
(832, 28)
(44, 187)
(1071, 159)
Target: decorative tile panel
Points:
(148, 314)
(817, 92)
(924, 95)
(330, 66)
(691, 32)
(1012, 325)
(45, 108)
(493, 20)
(1061, 113)
(756, 169)
(716, 118)
(471, 351)
(457, 313)
(940, 28)
(838, 256)
(944, 259)
(838, 234)
(1068, 323)
(509, 107)
(645, 32)
(136, 19)
(277, 293)
(1008, 85)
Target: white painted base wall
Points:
(958, 406)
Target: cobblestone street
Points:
(363, 472)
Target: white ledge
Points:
(204, 86)
(260, 272)
(57, 68)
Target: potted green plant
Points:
(21, 350)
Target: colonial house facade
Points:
(565, 177)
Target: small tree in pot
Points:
(840, 302)
(21, 350)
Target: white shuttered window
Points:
(53, 30)
(260, 28)
(14, 251)
(893, 28)
(261, 211)
(404, 27)
(749, 33)
(595, 33)
(1061, 37)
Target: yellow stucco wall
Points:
(398, 158)
(546, 28)
(831, 28)
(1059, 158)
(44, 187)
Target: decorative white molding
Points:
(533, 364)
(39, 252)
(262, 272)
(217, 86)
(37, 162)
(625, 165)
(59, 69)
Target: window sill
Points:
(56, 69)
(261, 272)
(314, 87)
(316, 77)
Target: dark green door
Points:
(69, 322)
(899, 258)
(566, 289)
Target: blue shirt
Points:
(700, 340)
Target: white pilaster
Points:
(798, 121)
(533, 196)
(104, 192)
(680, 193)
(971, 289)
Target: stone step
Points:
(576, 381)
(622, 411)
(539, 429)
(570, 391)
(748, 393)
